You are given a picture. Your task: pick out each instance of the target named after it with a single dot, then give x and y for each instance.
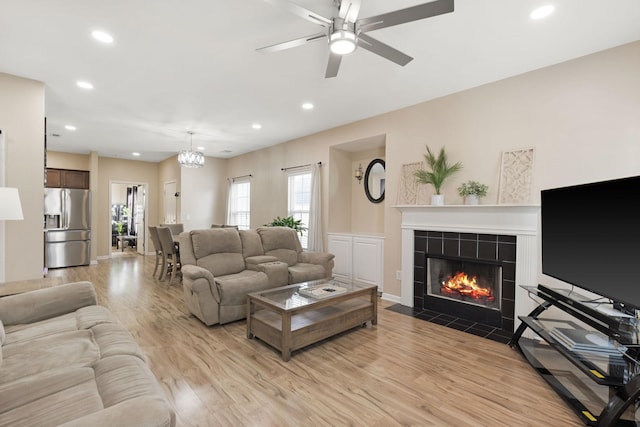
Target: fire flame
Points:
(461, 284)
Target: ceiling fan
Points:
(345, 31)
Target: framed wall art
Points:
(516, 177)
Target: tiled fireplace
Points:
(469, 276)
(467, 261)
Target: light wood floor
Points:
(403, 372)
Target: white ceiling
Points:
(179, 66)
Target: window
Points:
(300, 199)
(238, 211)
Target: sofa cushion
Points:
(222, 264)
(278, 238)
(46, 303)
(3, 336)
(64, 349)
(76, 348)
(303, 272)
(251, 243)
(234, 288)
(215, 240)
(49, 399)
(219, 250)
(114, 340)
(117, 391)
(83, 318)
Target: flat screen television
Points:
(591, 237)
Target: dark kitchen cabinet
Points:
(67, 178)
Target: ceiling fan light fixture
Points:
(342, 42)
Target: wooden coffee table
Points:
(288, 320)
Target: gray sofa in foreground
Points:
(65, 361)
(220, 266)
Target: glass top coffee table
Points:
(292, 317)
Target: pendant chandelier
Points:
(189, 158)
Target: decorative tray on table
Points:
(322, 291)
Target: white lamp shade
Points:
(10, 207)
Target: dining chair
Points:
(175, 228)
(157, 246)
(170, 253)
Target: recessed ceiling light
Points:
(200, 148)
(307, 106)
(256, 126)
(103, 37)
(70, 127)
(84, 85)
(135, 153)
(542, 12)
(225, 151)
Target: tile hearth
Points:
(478, 329)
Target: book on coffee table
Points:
(322, 291)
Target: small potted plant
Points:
(472, 191)
(119, 227)
(440, 171)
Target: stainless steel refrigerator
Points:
(67, 222)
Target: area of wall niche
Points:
(350, 210)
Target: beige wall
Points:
(203, 197)
(580, 116)
(340, 188)
(269, 182)
(22, 123)
(366, 217)
(59, 160)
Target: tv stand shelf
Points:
(590, 359)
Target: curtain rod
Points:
(296, 167)
(241, 176)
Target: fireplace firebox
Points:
(466, 281)
(466, 276)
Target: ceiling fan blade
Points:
(291, 43)
(414, 13)
(302, 12)
(384, 50)
(333, 66)
(349, 10)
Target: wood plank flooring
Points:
(402, 372)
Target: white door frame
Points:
(145, 214)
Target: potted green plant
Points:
(440, 170)
(290, 222)
(119, 227)
(472, 191)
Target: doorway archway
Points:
(128, 212)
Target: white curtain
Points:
(315, 242)
(230, 200)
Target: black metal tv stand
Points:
(590, 358)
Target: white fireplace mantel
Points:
(521, 221)
(495, 219)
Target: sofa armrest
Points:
(200, 280)
(320, 258)
(41, 304)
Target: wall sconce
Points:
(358, 173)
